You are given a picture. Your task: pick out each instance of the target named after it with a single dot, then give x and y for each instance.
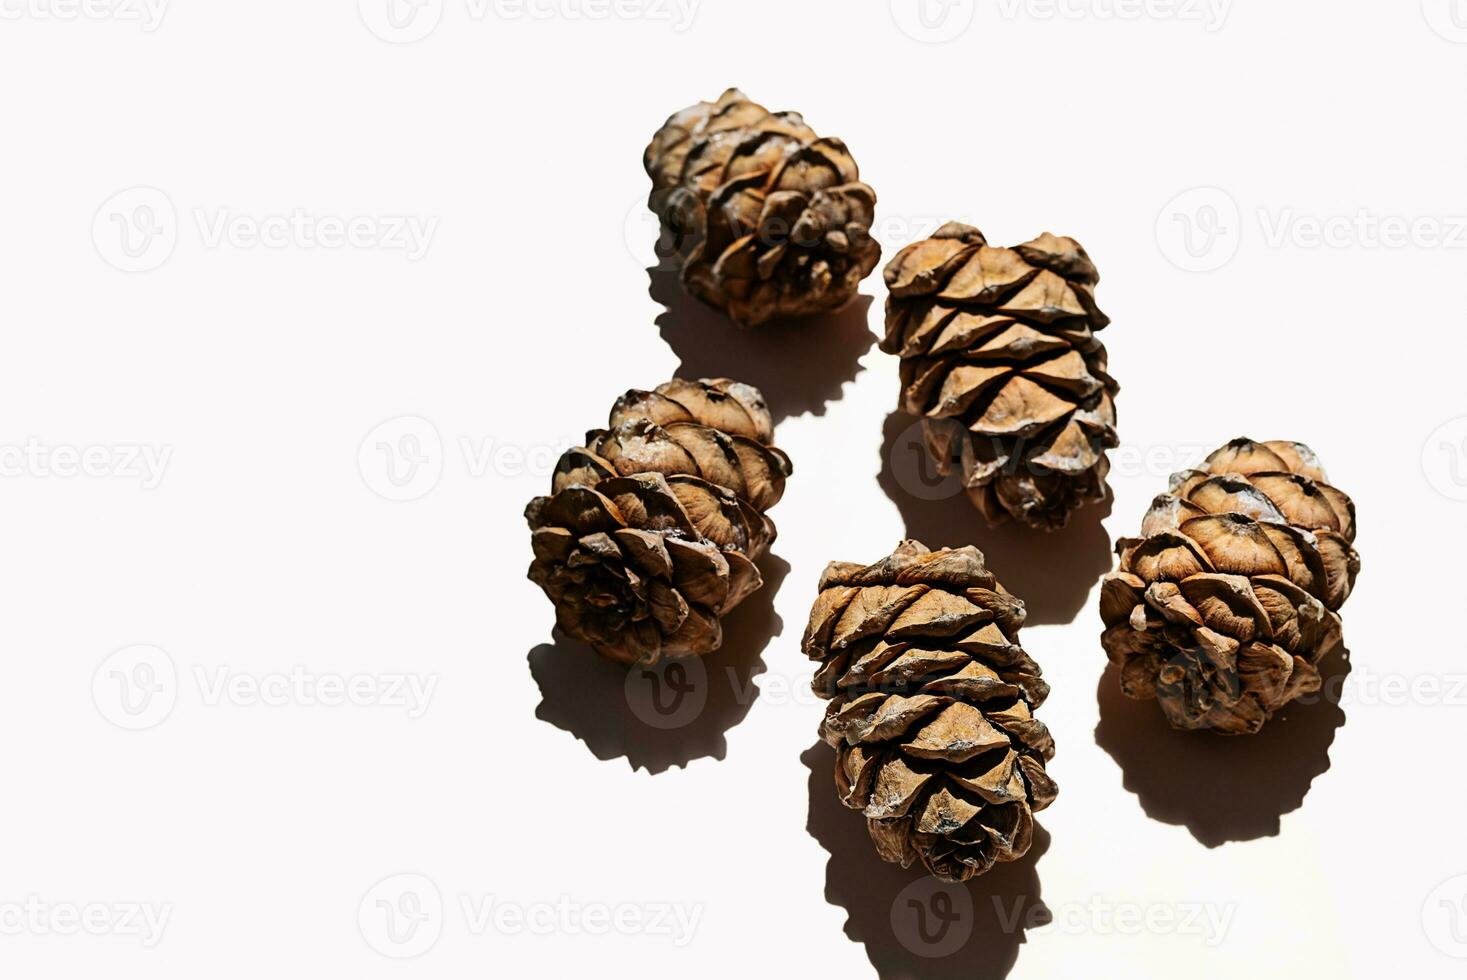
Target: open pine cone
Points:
(1224, 606)
(931, 708)
(769, 219)
(1000, 361)
(651, 530)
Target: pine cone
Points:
(651, 530)
(1224, 606)
(769, 219)
(931, 711)
(1000, 360)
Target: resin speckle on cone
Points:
(931, 708)
(650, 533)
(1223, 607)
(767, 218)
(1001, 362)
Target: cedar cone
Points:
(1224, 606)
(769, 219)
(932, 708)
(651, 530)
(1000, 361)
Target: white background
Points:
(262, 549)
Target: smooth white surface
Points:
(267, 828)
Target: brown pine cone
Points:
(1224, 606)
(1000, 361)
(932, 708)
(769, 219)
(651, 530)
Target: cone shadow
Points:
(1052, 572)
(799, 365)
(1221, 788)
(908, 926)
(655, 719)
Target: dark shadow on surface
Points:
(799, 365)
(1053, 572)
(1222, 788)
(899, 914)
(670, 716)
